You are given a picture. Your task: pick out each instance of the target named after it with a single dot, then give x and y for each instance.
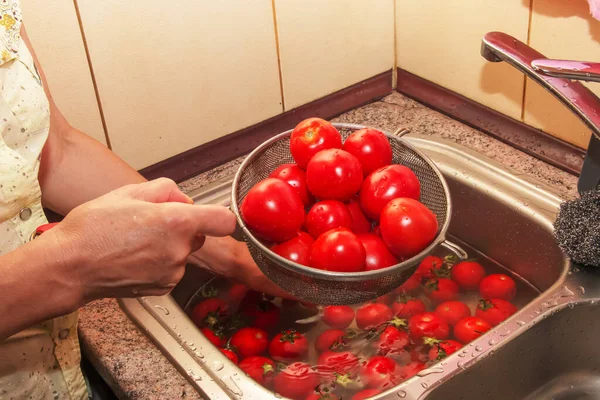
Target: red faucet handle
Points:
(43, 228)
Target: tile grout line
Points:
(93, 76)
(528, 42)
(278, 55)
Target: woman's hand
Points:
(135, 240)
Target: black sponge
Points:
(577, 229)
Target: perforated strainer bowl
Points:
(326, 287)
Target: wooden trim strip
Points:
(532, 141)
(209, 155)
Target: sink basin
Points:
(543, 351)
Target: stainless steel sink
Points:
(504, 217)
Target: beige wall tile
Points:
(172, 76)
(328, 45)
(440, 41)
(54, 31)
(561, 29)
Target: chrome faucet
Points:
(560, 78)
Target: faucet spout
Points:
(498, 46)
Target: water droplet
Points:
(461, 365)
(520, 323)
(581, 289)
(161, 308)
(465, 351)
(232, 386)
(217, 365)
(567, 292)
(429, 371)
(492, 342)
(401, 394)
(424, 385)
(277, 395)
(478, 348)
(565, 84)
(471, 344)
(461, 355)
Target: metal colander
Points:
(326, 287)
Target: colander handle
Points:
(455, 249)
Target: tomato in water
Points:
(296, 249)
(360, 223)
(338, 317)
(411, 369)
(495, 311)
(366, 394)
(372, 315)
(377, 254)
(311, 136)
(441, 289)
(214, 336)
(428, 324)
(407, 227)
(273, 210)
(468, 274)
(262, 314)
(231, 355)
(331, 340)
(331, 363)
(433, 267)
(288, 345)
(376, 230)
(236, 292)
(261, 369)
(371, 147)
(334, 175)
(411, 285)
(209, 311)
(393, 340)
(250, 341)
(498, 286)
(338, 250)
(441, 349)
(468, 329)
(405, 306)
(453, 311)
(327, 215)
(296, 381)
(294, 176)
(386, 184)
(379, 372)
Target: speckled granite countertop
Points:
(136, 369)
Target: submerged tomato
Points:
(378, 255)
(250, 341)
(407, 227)
(296, 249)
(261, 314)
(360, 223)
(273, 210)
(327, 215)
(294, 176)
(411, 285)
(379, 372)
(428, 324)
(468, 274)
(311, 136)
(433, 267)
(331, 340)
(406, 306)
(209, 311)
(288, 345)
(468, 329)
(498, 286)
(231, 355)
(441, 349)
(261, 369)
(392, 340)
(215, 336)
(334, 175)
(372, 315)
(495, 311)
(441, 289)
(411, 369)
(296, 381)
(386, 184)
(338, 317)
(338, 250)
(453, 311)
(371, 147)
(331, 363)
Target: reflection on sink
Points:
(557, 359)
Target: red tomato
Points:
(372, 315)
(250, 341)
(385, 299)
(376, 230)
(470, 328)
(407, 227)
(236, 292)
(330, 340)
(262, 314)
(296, 249)
(338, 250)
(294, 176)
(441, 349)
(411, 369)
(386, 184)
(209, 311)
(231, 355)
(322, 395)
(411, 285)
(331, 363)
(366, 394)
(441, 289)
(468, 274)
(311, 136)
(428, 324)
(433, 267)
(371, 147)
(334, 175)
(498, 286)
(453, 311)
(379, 372)
(327, 215)
(214, 336)
(261, 369)
(495, 311)
(406, 306)
(273, 210)
(338, 317)
(296, 381)
(360, 223)
(392, 341)
(378, 255)
(288, 345)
